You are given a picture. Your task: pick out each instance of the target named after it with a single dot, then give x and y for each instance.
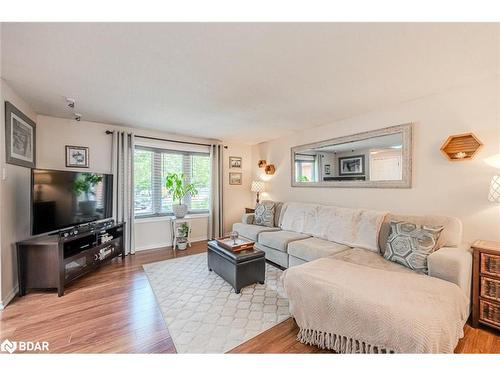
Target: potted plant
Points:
(85, 184)
(182, 235)
(178, 189)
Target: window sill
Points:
(168, 218)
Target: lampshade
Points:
(257, 186)
(494, 195)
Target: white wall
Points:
(237, 197)
(439, 186)
(15, 208)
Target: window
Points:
(305, 168)
(151, 167)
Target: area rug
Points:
(203, 313)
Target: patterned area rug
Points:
(202, 311)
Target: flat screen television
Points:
(62, 199)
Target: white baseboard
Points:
(166, 244)
(4, 302)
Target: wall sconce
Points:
(270, 169)
(461, 147)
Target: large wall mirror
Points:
(378, 159)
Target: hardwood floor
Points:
(114, 311)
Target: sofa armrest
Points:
(453, 264)
(248, 218)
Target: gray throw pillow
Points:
(410, 244)
(264, 214)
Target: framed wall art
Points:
(235, 178)
(20, 137)
(235, 162)
(77, 157)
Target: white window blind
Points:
(152, 165)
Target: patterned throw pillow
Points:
(410, 244)
(264, 214)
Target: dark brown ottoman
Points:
(238, 268)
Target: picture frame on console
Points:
(20, 137)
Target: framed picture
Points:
(77, 157)
(20, 137)
(235, 178)
(328, 170)
(352, 165)
(235, 162)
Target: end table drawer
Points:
(490, 288)
(490, 264)
(489, 313)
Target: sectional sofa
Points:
(334, 257)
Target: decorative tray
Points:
(239, 244)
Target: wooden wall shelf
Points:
(461, 147)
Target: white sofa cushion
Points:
(348, 226)
(314, 248)
(280, 240)
(251, 231)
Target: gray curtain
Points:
(216, 219)
(123, 185)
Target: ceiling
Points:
(248, 82)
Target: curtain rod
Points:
(167, 140)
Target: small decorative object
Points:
(238, 244)
(77, 157)
(270, 169)
(235, 162)
(234, 236)
(494, 195)
(235, 178)
(327, 169)
(257, 187)
(178, 190)
(262, 163)
(461, 147)
(352, 165)
(19, 137)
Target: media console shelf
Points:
(51, 261)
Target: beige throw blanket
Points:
(350, 308)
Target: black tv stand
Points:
(53, 261)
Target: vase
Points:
(180, 210)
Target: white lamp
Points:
(257, 187)
(494, 195)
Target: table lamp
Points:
(494, 195)
(257, 187)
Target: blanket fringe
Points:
(339, 344)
